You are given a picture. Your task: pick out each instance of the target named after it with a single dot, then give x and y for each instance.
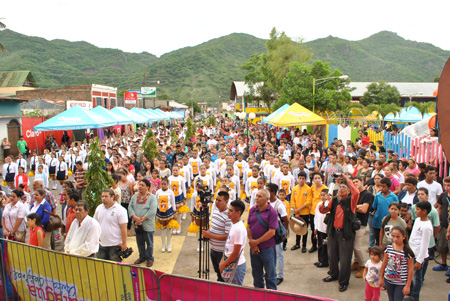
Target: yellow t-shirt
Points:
(301, 196)
(316, 198)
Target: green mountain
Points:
(203, 71)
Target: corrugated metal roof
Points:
(17, 79)
(405, 89)
(238, 89)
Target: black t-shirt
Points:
(365, 197)
(444, 200)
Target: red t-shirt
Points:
(365, 141)
(33, 236)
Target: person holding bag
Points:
(233, 265)
(13, 223)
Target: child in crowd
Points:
(420, 238)
(389, 222)
(372, 272)
(320, 229)
(282, 197)
(406, 217)
(36, 232)
(398, 266)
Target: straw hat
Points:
(295, 223)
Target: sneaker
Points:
(440, 268)
(447, 273)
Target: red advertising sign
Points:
(32, 138)
(130, 97)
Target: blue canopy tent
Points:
(266, 119)
(179, 114)
(410, 114)
(137, 118)
(164, 116)
(163, 113)
(174, 115)
(120, 119)
(75, 118)
(145, 114)
(154, 114)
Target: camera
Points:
(125, 253)
(204, 193)
(336, 175)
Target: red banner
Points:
(32, 137)
(130, 98)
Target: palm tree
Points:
(423, 107)
(2, 48)
(385, 109)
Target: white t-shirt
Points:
(373, 273)
(434, 189)
(237, 236)
(110, 220)
(280, 208)
(420, 238)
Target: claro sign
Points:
(30, 134)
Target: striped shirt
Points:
(396, 271)
(220, 225)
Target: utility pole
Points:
(145, 79)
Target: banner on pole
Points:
(130, 98)
(148, 91)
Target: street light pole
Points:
(323, 80)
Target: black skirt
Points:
(61, 175)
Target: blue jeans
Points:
(240, 274)
(371, 232)
(417, 282)
(425, 262)
(280, 260)
(25, 155)
(143, 239)
(263, 267)
(215, 259)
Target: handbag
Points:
(54, 222)
(19, 236)
(230, 269)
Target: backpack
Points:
(280, 232)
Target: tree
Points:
(189, 130)
(330, 94)
(266, 71)
(423, 107)
(379, 93)
(173, 137)
(149, 144)
(96, 176)
(212, 120)
(2, 48)
(384, 109)
(437, 78)
(197, 108)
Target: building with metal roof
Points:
(409, 91)
(13, 81)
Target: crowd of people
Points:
(339, 193)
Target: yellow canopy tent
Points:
(296, 115)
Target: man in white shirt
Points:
(84, 234)
(113, 220)
(235, 243)
(434, 188)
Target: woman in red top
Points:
(36, 231)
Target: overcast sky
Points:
(159, 27)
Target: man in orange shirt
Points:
(301, 201)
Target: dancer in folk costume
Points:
(166, 214)
(178, 186)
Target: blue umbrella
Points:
(75, 118)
